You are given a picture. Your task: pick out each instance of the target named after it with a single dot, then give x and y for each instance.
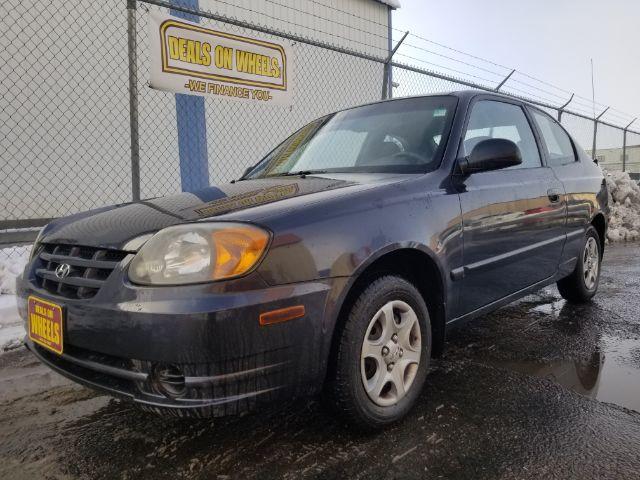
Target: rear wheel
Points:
(383, 354)
(582, 284)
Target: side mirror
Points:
(491, 154)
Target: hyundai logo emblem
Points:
(63, 270)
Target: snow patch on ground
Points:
(12, 262)
(624, 205)
(11, 329)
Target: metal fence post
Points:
(385, 75)
(595, 131)
(624, 145)
(133, 99)
(624, 149)
(504, 80)
(561, 109)
(595, 134)
(390, 48)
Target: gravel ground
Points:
(539, 389)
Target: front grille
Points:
(89, 269)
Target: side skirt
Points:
(505, 300)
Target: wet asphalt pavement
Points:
(538, 389)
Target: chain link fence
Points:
(64, 145)
(82, 129)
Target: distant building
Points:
(611, 158)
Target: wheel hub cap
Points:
(390, 353)
(393, 355)
(591, 263)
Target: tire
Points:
(582, 284)
(360, 354)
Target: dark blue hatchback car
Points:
(337, 263)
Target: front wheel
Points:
(582, 284)
(382, 358)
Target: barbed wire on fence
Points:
(580, 104)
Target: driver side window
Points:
(493, 119)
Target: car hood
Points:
(119, 226)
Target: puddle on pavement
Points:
(611, 374)
(552, 308)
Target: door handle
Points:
(554, 195)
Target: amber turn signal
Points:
(238, 249)
(282, 315)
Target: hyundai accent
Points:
(337, 263)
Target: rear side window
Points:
(557, 142)
(491, 119)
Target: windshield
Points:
(399, 136)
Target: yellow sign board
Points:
(191, 58)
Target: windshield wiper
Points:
(301, 173)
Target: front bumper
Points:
(224, 361)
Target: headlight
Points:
(198, 252)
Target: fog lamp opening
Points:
(168, 380)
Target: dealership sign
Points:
(190, 58)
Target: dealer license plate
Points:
(45, 324)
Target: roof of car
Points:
(473, 92)
(462, 94)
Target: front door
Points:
(513, 219)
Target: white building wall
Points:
(359, 25)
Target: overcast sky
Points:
(549, 39)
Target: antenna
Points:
(593, 91)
